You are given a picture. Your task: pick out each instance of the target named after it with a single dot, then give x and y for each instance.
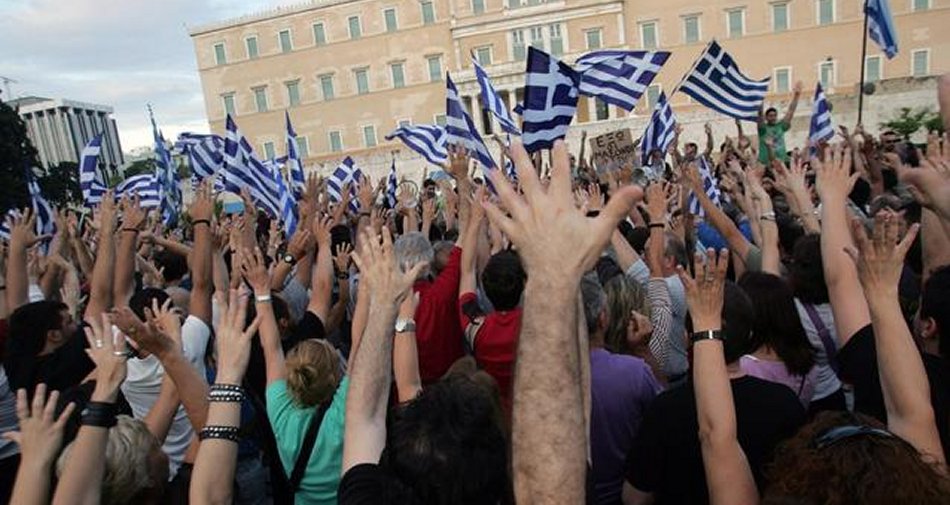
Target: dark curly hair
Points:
(861, 470)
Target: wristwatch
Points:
(701, 336)
(405, 326)
(289, 259)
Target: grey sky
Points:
(123, 53)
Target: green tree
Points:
(17, 154)
(137, 167)
(60, 185)
(909, 121)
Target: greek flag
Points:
(492, 101)
(660, 131)
(242, 169)
(619, 77)
(146, 186)
(427, 140)
(345, 173)
(550, 100)
(288, 204)
(45, 224)
(710, 186)
(5, 224)
(821, 129)
(89, 181)
(881, 26)
(460, 129)
(716, 82)
(167, 176)
(391, 186)
(205, 154)
(298, 181)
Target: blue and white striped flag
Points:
(427, 140)
(619, 77)
(392, 185)
(242, 169)
(881, 27)
(821, 129)
(147, 188)
(288, 204)
(5, 224)
(716, 82)
(660, 131)
(89, 182)
(45, 224)
(550, 100)
(346, 173)
(298, 182)
(710, 187)
(205, 154)
(460, 129)
(492, 101)
(167, 176)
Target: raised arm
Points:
(771, 258)
(321, 283)
(100, 296)
(406, 354)
(549, 441)
(468, 279)
(738, 244)
(710, 142)
(134, 218)
(255, 273)
(728, 476)
(22, 237)
(790, 113)
(202, 283)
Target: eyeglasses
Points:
(839, 433)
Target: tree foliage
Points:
(17, 155)
(60, 185)
(909, 121)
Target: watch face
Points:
(289, 258)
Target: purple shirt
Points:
(775, 371)
(621, 388)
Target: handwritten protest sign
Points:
(613, 150)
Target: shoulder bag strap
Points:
(831, 350)
(310, 439)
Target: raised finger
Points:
(50, 408)
(39, 398)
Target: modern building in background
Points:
(60, 128)
(351, 71)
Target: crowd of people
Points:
(572, 335)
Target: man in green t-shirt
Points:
(772, 131)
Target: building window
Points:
(336, 141)
(783, 79)
(537, 36)
(691, 29)
(653, 95)
(389, 16)
(250, 44)
(779, 17)
(594, 39)
(398, 74)
(556, 40)
(920, 62)
(220, 57)
(303, 147)
(428, 13)
(601, 110)
(362, 81)
(478, 6)
(319, 34)
(648, 35)
(435, 68)
(920, 5)
(440, 119)
(326, 85)
(260, 98)
(269, 152)
(826, 12)
(488, 127)
(873, 69)
(483, 55)
(228, 101)
(356, 31)
(293, 93)
(518, 49)
(736, 23)
(286, 44)
(826, 74)
(369, 136)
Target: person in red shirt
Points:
(438, 330)
(492, 337)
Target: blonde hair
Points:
(623, 296)
(313, 372)
(131, 475)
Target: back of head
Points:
(173, 266)
(818, 466)
(413, 248)
(503, 280)
(447, 446)
(595, 301)
(29, 325)
(777, 325)
(623, 296)
(142, 299)
(313, 372)
(935, 304)
(676, 249)
(738, 319)
(807, 272)
(136, 467)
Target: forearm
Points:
(844, 291)
(426, 225)
(626, 255)
(655, 246)
(81, 481)
(276, 368)
(190, 387)
(279, 275)
(406, 366)
(321, 283)
(729, 231)
(83, 257)
(17, 279)
(100, 297)
(304, 270)
(221, 276)
(202, 284)
(548, 440)
(337, 312)
(125, 267)
(51, 281)
(360, 316)
(212, 479)
(160, 416)
(806, 211)
(32, 482)
(771, 258)
(174, 246)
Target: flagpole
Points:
(691, 68)
(864, 53)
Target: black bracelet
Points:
(225, 396)
(98, 414)
(229, 433)
(656, 225)
(233, 388)
(700, 336)
(200, 221)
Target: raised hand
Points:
(545, 221)
(364, 193)
(428, 210)
(300, 243)
(144, 337)
(705, 290)
(165, 320)
(341, 258)
(108, 353)
(255, 271)
(23, 229)
(834, 173)
(107, 211)
(40, 434)
(458, 163)
(384, 280)
(320, 230)
(202, 207)
(134, 217)
(234, 340)
(880, 257)
(658, 201)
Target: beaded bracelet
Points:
(234, 388)
(229, 433)
(225, 396)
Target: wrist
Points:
(104, 393)
(711, 323)
(226, 376)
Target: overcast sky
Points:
(123, 53)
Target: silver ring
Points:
(121, 354)
(99, 343)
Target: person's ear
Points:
(928, 328)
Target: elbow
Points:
(713, 435)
